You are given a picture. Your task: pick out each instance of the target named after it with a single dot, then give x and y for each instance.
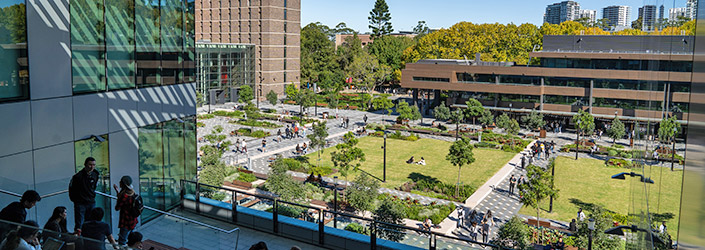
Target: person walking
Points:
(485, 230)
(128, 203)
(17, 211)
(82, 192)
(243, 146)
(581, 215)
(364, 118)
(96, 229)
(461, 216)
(512, 183)
(523, 161)
(264, 145)
(279, 135)
(237, 146)
(347, 122)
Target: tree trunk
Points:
(457, 184)
(537, 215)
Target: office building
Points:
(113, 80)
(605, 75)
(272, 26)
(674, 13)
(222, 67)
(591, 15)
(560, 12)
(617, 16)
(691, 9)
(647, 15)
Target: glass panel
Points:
(189, 42)
(14, 75)
(173, 161)
(172, 41)
(147, 39)
(99, 150)
(87, 46)
(190, 146)
(151, 164)
(120, 43)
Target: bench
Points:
(534, 222)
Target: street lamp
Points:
(591, 227)
(384, 159)
(577, 140)
(335, 201)
(673, 152)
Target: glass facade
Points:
(618, 64)
(472, 77)
(120, 44)
(167, 154)
(430, 79)
(566, 100)
(222, 66)
(14, 73)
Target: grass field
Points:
(487, 161)
(587, 181)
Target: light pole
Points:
(577, 140)
(510, 110)
(591, 227)
(384, 159)
(335, 201)
(673, 151)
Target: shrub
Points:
(292, 164)
(246, 177)
(612, 153)
(288, 211)
(200, 124)
(206, 116)
(231, 114)
(411, 138)
(357, 228)
(618, 146)
(485, 144)
(616, 162)
(322, 170)
(259, 134)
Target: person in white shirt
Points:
(422, 162)
(581, 215)
(663, 228)
(25, 238)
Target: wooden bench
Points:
(534, 222)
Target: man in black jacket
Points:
(82, 191)
(17, 211)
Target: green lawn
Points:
(587, 181)
(487, 161)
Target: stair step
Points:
(147, 244)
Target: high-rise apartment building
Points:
(647, 15)
(691, 8)
(273, 26)
(560, 12)
(674, 13)
(617, 16)
(591, 15)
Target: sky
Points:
(444, 13)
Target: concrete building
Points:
(617, 16)
(273, 26)
(560, 12)
(691, 9)
(647, 14)
(674, 13)
(591, 15)
(91, 78)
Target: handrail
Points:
(10, 193)
(42, 196)
(177, 216)
(55, 193)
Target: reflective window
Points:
(472, 77)
(173, 139)
(189, 52)
(430, 79)
(172, 40)
(151, 164)
(120, 43)
(190, 148)
(528, 80)
(14, 74)
(567, 100)
(147, 39)
(98, 149)
(87, 46)
(519, 98)
(627, 104)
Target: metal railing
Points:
(165, 213)
(42, 196)
(374, 225)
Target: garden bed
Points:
(256, 123)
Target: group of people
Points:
(421, 162)
(345, 121)
(291, 132)
(478, 225)
(25, 234)
(541, 150)
(301, 149)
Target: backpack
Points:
(137, 206)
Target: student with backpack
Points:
(130, 206)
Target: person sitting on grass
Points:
(411, 160)
(422, 162)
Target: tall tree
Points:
(384, 103)
(407, 112)
(534, 120)
(421, 28)
(585, 122)
(474, 109)
(442, 112)
(347, 156)
(380, 19)
(282, 184)
(305, 99)
(457, 116)
(460, 154)
(318, 138)
(367, 72)
(362, 193)
(616, 130)
(668, 129)
(317, 52)
(342, 28)
(538, 187)
(486, 118)
(349, 50)
(392, 213)
(389, 50)
(272, 97)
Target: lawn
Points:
(487, 161)
(588, 181)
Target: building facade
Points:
(674, 13)
(647, 14)
(691, 9)
(617, 16)
(560, 12)
(109, 79)
(223, 66)
(273, 26)
(591, 15)
(632, 82)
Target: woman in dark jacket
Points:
(56, 225)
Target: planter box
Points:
(242, 184)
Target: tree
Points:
(668, 129)
(245, 93)
(513, 235)
(457, 116)
(305, 98)
(392, 213)
(317, 52)
(512, 128)
(367, 72)
(421, 29)
(534, 120)
(407, 112)
(347, 156)
(282, 184)
(362, 193)
(342, 28)
(503, 121)
(585, 122)
(291, 91)
(200, 99)
(486, 118)
(616, 130)
(460, 154)
(212, 174)
(349, 50)
(474, 109)
(442, 112)
(538, 187)
(600, 240)
(389, 49)
(272, 97)
(318, 138)
(380, 19)
(382, 102)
